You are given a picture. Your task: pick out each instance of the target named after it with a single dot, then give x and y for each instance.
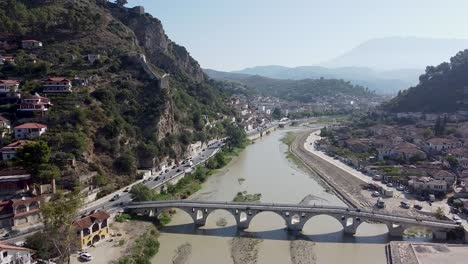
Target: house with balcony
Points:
(7, 86)
(35, 103)
(92, 228)
(57, 85)
(6, 59)
(402, 151)
(29, 130)
(26, 212)
(428, 185)
(14, 180)
(442, 144)
(9, 151)
(31, 44)
(14, 254)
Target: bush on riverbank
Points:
(146, 247)
(245, 197)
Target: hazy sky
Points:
(234, 34)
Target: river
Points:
(264, 168)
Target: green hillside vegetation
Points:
(122, 120)
(307, 90)
(443, 88)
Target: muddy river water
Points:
(263, 168)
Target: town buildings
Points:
(92, 228)
(10, 254)
(9, 151)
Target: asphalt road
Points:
(125, 197)
(155, 180)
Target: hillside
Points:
(399, 53)
(443, 88)
(383, 82)
(306, 91)
(128, 113)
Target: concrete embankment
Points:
(346, 187)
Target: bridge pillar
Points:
(243, 218)
(439, 235)
(396, 229)
(351, 224)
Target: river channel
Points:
(263, 168)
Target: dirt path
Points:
(347, 187)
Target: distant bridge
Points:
(295, 216)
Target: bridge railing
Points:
(339, 209)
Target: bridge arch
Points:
(188, 215)
(229, 217)
(276, 219)
(313, 224)
(363, 228)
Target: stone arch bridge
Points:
(295, 216)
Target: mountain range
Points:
(385, 65)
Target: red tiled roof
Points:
(31, 125)
(4, 246)
(3, 119)
(89, 220)
(26, 200)
(16, 145)
(10, 81)
(58, 79)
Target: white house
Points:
(35, 103)
(9, 151)
(14, 254)
(30, 130)
(439, 144)
(93, 57)
(57, 85)
(7, 86)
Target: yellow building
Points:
(92, 228)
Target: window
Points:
(5, 254)
(21, 209)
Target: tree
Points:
(33, 155)
(440, 213)
(58, 215)
(236, 136)
(125, 164)
(121, 2)
(141, 193)
(276, 113)
(453, 162)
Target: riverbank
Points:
(346, 187)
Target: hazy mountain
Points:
(399, 53)
(383, 82)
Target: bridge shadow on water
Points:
(276, 234)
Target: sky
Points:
(235, 34)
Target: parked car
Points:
(404, 205)
(389, 184)
(417, 207)
(375, 194)
(157, 178)
(173, 167)
(115, 198)
(86, 256)
(166, 171)
(127, 189)
(401, 188)
(178, 170)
